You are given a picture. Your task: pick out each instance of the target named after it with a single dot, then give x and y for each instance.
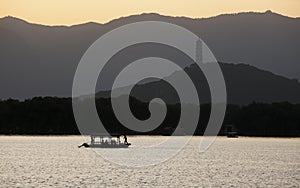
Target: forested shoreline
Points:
(54, 116)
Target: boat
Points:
(104, 141)
(232, 134)
(231, 131)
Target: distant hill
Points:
(40, 60)
(244, 84)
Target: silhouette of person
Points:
(125, 139)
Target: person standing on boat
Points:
(125, 139)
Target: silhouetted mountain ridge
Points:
(244, 84)
(39, 60)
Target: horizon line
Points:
(149, 13)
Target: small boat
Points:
(232, 134)
(104, 141)
(231, 131)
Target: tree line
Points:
(54, 116)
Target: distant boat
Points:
(104, 141)
(232, 135)
(231, 131)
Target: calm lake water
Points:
(244, 162)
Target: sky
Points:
(70, 12)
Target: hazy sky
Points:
(69, 12)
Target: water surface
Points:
(28, 161)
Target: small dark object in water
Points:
(232, 135)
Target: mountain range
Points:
(261, 51)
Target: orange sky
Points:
(69, 12)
